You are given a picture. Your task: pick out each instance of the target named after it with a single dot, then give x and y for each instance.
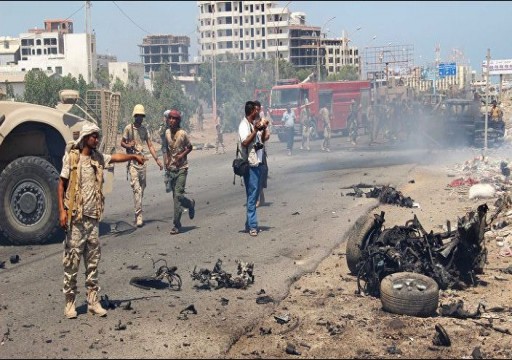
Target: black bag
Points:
(240, 166)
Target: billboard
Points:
(498, 67)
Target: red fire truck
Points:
(337, 96)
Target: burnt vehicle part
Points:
(385, 194)
(409, 294)
(218, 278)
(452, 258)
(164, 272)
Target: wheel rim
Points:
(28, 202)
(410, 284)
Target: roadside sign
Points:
(447, 69)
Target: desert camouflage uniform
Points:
(176, 174)
(306, 128)
(324, 113)
(137, 172)
(87, 211)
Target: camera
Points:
(258, 146)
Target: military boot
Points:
(69, 309)
(93, 305)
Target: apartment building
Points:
(246, 29)
(9, 50)
(339, 53)
(158, 50)
(55, 49)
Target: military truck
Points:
(462, 122)
(33, 139)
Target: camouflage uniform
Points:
(220, 140)
(87, 211)
(306, 128)
(324, 113)
(137, 172)
(177, 173)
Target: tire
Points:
(29, 211)
(409, 294)
(356, 242)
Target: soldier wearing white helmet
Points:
(136, 140)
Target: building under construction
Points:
(157, 50)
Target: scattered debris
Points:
(296, 213)
(463, 182)
(282, 319)
(452, 264)
(291, 349)
(185, 312)
(133, 267)
(265, 299)
(385, 194)
(476, 353)
(265, 331)
(482, 191)
(393, 350)
(2, 264)
(441, 337)
(164, 272)
(14, 259)
(109, 304)
(507, 270)
(120, 326)
(224, 301)
(456, 310)
(223, 279)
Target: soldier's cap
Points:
(174, 114)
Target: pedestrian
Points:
(200, 117)
(353, 126)
(176, 164)
(326, 117)
(81, 204)
(306, 126)
(264, 164)
(252, 136)
(220, 138)
(135, 140)
(289, 124)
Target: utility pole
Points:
(88, 35)
(488, 57)
(214, 66)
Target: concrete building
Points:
(127, 72)
(158, 50)
(9, 50)
(339, 53)
(304, 51)
(247, 29)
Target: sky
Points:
(468, 26)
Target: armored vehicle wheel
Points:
(357, 242)
(409, 294)
(29, 211)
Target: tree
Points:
(347, 72)
(9, 90)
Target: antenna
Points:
(88, 35)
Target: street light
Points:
(277, 43)
(361, 62)
(318, 49)
(345, 40)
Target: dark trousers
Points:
(290, 137)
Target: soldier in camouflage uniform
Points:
(326, 118)
(81, 204)
(305, 120)
(176, 165)
(135, 139)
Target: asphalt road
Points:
(306, 217)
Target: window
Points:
(38, 51)
(228, 6)
(38, 42)
(229, 45)
(49, 68)
(229, 20)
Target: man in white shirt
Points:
(252, 136)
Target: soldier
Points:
(220, 139)
(305, 120)
(135, 138)
(352, 122)
(81, 204)
(326, 117)
(176, 165)
(496, 115)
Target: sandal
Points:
(253, 232)
(175, 231)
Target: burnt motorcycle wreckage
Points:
(452, 258)
(164, 272)
(218, 278)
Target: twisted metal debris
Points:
(218, 278)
